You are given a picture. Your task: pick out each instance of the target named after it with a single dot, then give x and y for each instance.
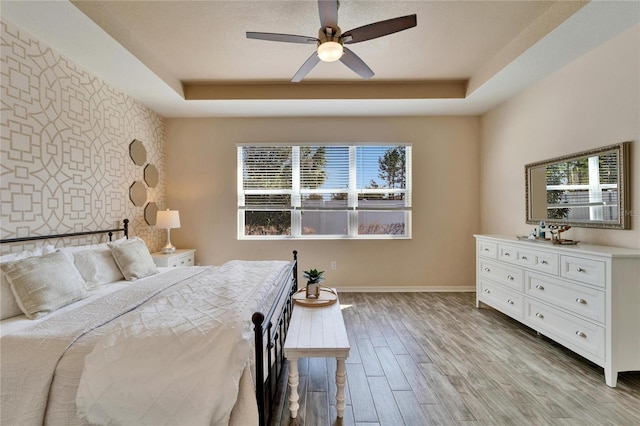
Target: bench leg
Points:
(293, 387)
(341, 377)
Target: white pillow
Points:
(97, 266)
(133, 259)
(45, 283)
(8, 305)
(69, 251)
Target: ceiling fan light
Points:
(330, 51)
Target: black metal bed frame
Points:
(270, 330)
(125, 229)
(270, 333)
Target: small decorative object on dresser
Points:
(181, 257)
(584, 297)
(314, 278)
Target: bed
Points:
(197, 345)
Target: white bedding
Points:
(167, 374)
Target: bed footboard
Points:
(270, 332)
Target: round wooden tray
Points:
(326, 297)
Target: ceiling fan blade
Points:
(379, 29)
(308, 65)
(356, 64)
(328, 13)
(287, 38)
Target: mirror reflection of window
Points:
(584, 189)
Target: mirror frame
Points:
(623, 151)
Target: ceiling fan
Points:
(331, 40)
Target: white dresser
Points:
(585, 297)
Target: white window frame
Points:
(352, 191)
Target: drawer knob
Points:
(487, 270)
(507, 254)
(579, 269)
(510, 301)
(486, 290)
(486, 249)
(524, 257)
(510, 277)
(580, 334)
(539, 315)
(544, 262)
(539, 287)
(581, 300)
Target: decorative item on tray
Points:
(554, 230)
(326, 296)
(314, 278)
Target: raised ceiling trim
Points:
(446, 89)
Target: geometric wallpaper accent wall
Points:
(64, 142)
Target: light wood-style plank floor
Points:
(434, 359)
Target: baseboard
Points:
(408, 289)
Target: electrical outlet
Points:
(334, 265)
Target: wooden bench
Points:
(316, 332)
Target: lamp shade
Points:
(168, 219)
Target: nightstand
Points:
(181, 257)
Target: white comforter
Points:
(176, 359)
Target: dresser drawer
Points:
(487, 249)
(502, 299)
(583, 270)
(503, 274)
(580, 335)
(535, 259)
(578, 299)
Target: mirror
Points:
(150, 213)
(151, 175)
(586, 189)
(138, 193)
(137, 152)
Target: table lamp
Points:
(168, 219)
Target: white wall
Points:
(592, 102)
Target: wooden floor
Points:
(433, 358)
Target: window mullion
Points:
(296, 198)
(353, 193)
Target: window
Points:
(324, 191)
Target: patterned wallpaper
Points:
(64, 138)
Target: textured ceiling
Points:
(192, 58)
(205, 40)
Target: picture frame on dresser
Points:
(585, 297)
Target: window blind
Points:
(324, 190)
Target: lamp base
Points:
(168, 249)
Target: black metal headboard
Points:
(125, 229)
